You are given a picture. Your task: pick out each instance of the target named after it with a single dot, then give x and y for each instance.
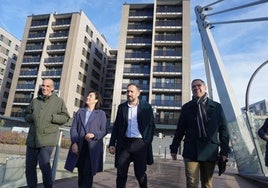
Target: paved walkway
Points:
(164, 174)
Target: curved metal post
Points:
(253, 134)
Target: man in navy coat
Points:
(131, 138)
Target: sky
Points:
(243, 47)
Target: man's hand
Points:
(174, 156)
(112, 150)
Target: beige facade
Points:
(154, 52)
(66, 48)
(9, 47)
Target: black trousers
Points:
(136, 152)
(85, 178)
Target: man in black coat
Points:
(132, 136)
(203, 126)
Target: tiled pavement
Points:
(165, 173)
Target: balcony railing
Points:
(142, 86)
(56, 47)
(139, 40)
(28, 73)
(166, 86)
(54, 59)
(22, 100)
(36, 35)
(168, 9)
(137, 70)
(145, 13)
(146, 27)
(25, 86)
(34, 47)
(137, 55)
(51, 73)
(167, 53)
(31, 59)
(167, 69)
(62, 22)
(169, 23)
(62, 34)
(39, 23)
(166, 103)
(168, 38)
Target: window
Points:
(4, 104)
(8, 84)
(6, 94)
(12, 66)
(10, 75)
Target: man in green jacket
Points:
(45, 114)
(203, 126)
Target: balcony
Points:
(167, 54)
(167, 70)
(52, 73)
(143, 87)
(138, 55)
(166, 103)
(166, 86)
(52, 61)
(31, 60)
(57, 47)
(34, 48)
(169, 12)
(168, 40)
(25, 86)
(137, 70)
(28, 73)
(36, 35)
(59, 36)
(39, 24)
(139, 42)
(22, 100)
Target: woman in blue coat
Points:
(263, 133)
(87, 132)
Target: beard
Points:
(130, 99)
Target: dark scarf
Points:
(201, 114)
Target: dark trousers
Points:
(42, 156)
(136, 151)
(85, 178)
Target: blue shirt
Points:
(133, 127)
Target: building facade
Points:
(154, 52)
(9, 49)
(66, 48)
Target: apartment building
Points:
(9, 47)
(154, 52)
(64, 47)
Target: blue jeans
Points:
(42, 157)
